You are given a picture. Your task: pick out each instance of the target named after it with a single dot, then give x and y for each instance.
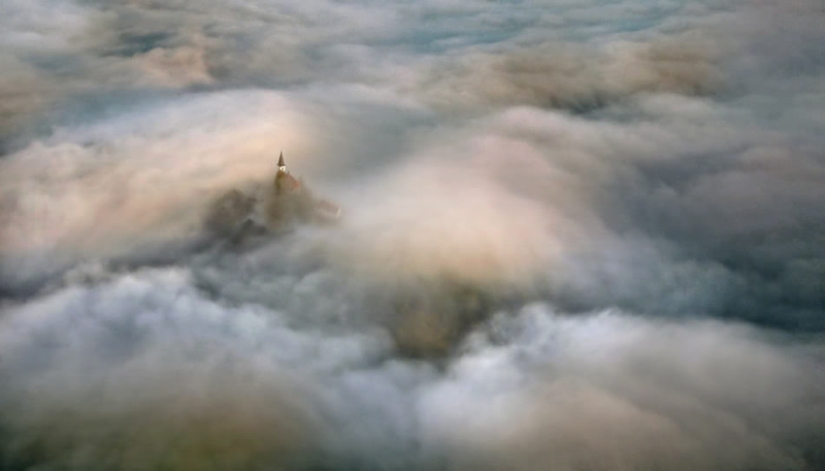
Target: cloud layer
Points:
(575, 235)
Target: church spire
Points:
(281, 163)
(284, 182)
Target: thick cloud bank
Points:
(575, 236)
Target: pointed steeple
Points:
(281, 163)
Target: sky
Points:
(575, 235)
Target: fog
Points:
(574, 236)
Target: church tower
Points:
(282, 164)
(284, 182)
